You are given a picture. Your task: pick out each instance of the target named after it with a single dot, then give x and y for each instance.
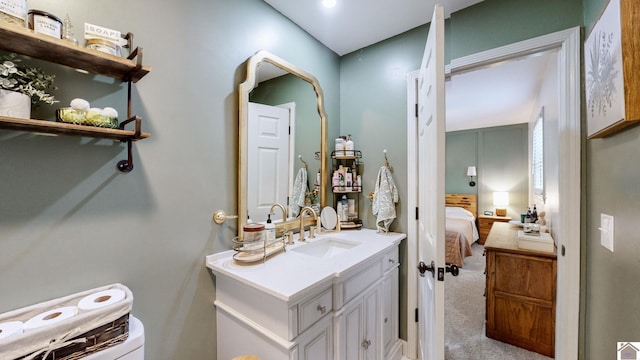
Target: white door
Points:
(430, 182)
(268, 144)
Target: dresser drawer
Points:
(314, 309)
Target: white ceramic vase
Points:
(14, 104)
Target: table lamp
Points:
(501, 201)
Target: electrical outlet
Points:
(606, 231)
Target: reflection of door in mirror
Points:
(304, 142)
(269, 143)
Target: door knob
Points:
(453, 269)
(422, 267)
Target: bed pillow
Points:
(454, 211)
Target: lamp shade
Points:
(471, 171)
(500, 198)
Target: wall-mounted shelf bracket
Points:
(127, 165)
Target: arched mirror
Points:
(282, 140)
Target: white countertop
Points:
(289, 273)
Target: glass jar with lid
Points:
(253, 237)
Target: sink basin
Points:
(326, 247)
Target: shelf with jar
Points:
(24, 41)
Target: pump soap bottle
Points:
(270, 230)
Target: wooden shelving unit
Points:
(26, 42)
(58, 128)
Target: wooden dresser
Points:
(484, 225)
(521, 292)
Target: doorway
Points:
(567, 43)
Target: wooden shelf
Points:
(26, 42)
(59, 128)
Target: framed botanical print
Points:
(611, 81)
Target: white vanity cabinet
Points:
(295, 306)
(366, 327)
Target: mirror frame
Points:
(243, 104)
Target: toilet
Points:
(130, 349)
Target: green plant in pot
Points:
(22, 85)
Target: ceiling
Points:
(492, 96)
(354, 24)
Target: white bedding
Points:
(462, 221)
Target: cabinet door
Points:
(350, 331)
(389, 303)
(358, 328)
(370, 343)
(318, 347)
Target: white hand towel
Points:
(385, 196)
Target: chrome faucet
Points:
(315, 217)
(284, 211)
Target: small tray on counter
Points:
(257, 254)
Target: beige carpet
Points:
(464, 317)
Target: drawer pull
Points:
(322, 309)
(366, 344)
(386, 320)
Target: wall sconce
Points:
(471, 172)
(501, 201)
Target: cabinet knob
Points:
(386, 320)
(366, 344)
(322, 309)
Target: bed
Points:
(461, 230)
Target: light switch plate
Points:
(606, 231)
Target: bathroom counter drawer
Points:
(314, 309)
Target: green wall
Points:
(612, 298)
(462, 151)
(69, 221)
(500, 154)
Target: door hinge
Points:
(416, 110)
(289, 129)
(417, 213)
(416, 316)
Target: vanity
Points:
(332, 297)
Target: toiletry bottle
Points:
(345, 208)
(339, 146)
(270, 230)
(534, 214)
(349, 146)
(335, 180)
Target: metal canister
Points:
(45, 23)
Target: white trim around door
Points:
(567, 42)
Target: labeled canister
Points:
(42, 22)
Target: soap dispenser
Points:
(349, 146)
(270, 230)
